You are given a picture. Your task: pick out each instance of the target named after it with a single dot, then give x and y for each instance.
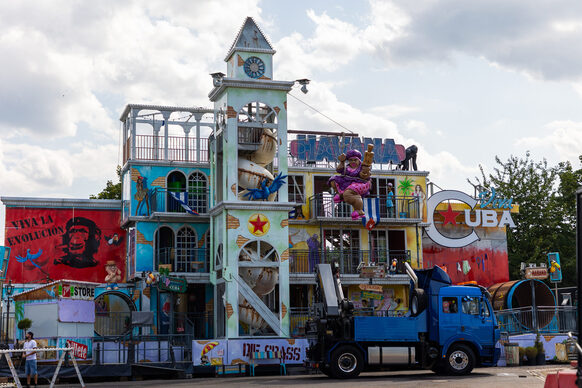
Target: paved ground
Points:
(530, 377)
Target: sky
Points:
(464, 81)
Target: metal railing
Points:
(179, 148)
(189, 260)
(543, 319)
(169, 348)
(298, 317)
(197, 199)
(304, 261)
(404, 207)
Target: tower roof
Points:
(250, 38)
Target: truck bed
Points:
(389, 329)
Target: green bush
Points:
(521, 353)
(24, 324)
(531, 352)
(539, 345)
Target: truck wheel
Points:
(460, 360)
(417, 302)
(325, 370)
(346, 362)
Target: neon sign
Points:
(313, 148)
(484, 216)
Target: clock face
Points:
(254, 67)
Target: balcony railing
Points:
(404, 207)
(179, 148)
(184, 260)
(304, 261)
(197, 199)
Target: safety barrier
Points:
(65, 351)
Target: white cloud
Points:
(563, 141)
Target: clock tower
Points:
(249, 215)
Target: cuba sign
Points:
(485, 214)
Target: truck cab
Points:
(449, 329)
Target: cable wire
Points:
(324, 115)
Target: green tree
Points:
(534, 187)
(111, 190)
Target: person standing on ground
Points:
(30, 368)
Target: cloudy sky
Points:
(463, 80)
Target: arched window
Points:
(185, 249)
(176, 184)
(198, 192)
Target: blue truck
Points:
(450, 329)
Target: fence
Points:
(304, 261)
(179, 148)
(196, 197)
(404, 207)
(170, 348)
(545, 319)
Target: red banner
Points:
(56, 244)
(79, 350)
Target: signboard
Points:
(536, 273)
(172, 284)
(237, 351)
(77, 291)
(63, 243)
(555, 268)
(312, 148)
(79, 350)
(371, 287)
(482, 213)
(373, 271)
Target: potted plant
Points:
(541, 353)
(521, 355)
(24, 324)
(531, 353)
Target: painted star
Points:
(258, 224)
(450, 216)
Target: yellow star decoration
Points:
(258, 224)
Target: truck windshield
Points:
(473, 305)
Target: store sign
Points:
(536, 273)
(314, 148)
(172, 284)
(483, 215)
(79, 350)
(77, 291)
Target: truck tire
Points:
(325, 370)
(346, 362)
(417, 302)
(460, 360)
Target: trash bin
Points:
(512, 353)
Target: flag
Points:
(182, 198)
(371, 212)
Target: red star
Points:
(258, 224)
(450, 216)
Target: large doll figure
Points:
(354, 181)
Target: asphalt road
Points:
(515, 377)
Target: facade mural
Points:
(63, 243)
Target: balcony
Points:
(405, 207)
(192, 260)
(302, 262)
(164, 202)
(178, 149)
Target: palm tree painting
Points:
(405, 187)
